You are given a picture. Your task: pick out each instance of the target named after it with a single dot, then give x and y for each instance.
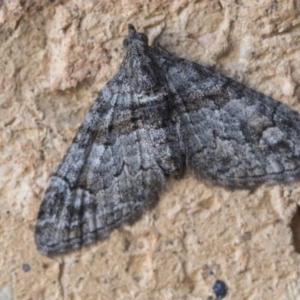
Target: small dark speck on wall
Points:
(220, 289)
(295, 226)
(26, 267)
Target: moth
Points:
(157, 117)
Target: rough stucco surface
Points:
(54, 58)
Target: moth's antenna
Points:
(131, 29)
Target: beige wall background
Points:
(55, 56)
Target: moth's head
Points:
(135, 37)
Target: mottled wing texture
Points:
(157, 116)
(114, 169)
(232, 135)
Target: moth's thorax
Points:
(137, 49)
(136, 66)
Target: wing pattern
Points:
(157, 116)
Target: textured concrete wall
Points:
(54, 58)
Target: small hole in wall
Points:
(295, 226)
